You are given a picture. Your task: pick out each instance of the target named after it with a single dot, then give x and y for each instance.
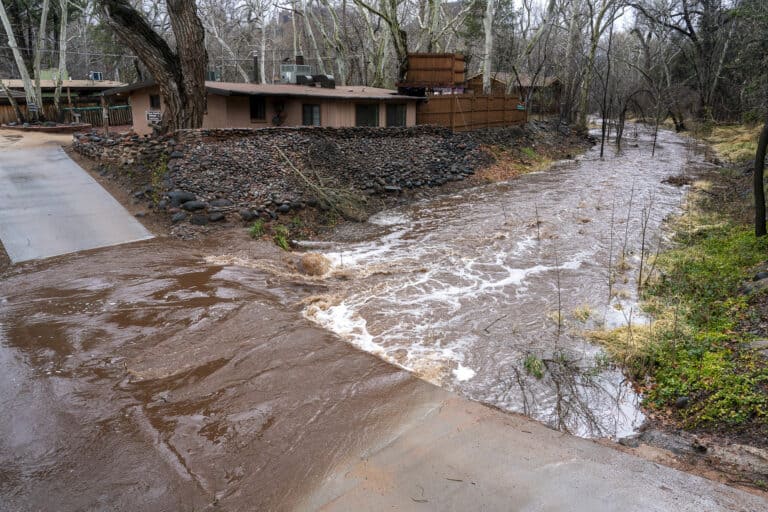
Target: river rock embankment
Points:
(211, 175)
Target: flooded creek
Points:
(169, 375)
(466, 290)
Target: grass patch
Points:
(257, 229)
(534, 366)
(693, 348)
(582, 313)
(280, 237)
(735, 143)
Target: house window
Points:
(310, 115)
(396, 114)
(258, 108)
(154, 101)
(367, 114)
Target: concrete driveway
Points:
(50, 206)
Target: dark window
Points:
(396, 114)
(367, 114)
(154, 101)
(310, 115)
(258, 108)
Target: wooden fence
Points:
(469, 112)
(91, 114)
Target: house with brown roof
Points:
(240, 105)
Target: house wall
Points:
(234, 111)
(139, 101)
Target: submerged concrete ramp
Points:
(50, 206)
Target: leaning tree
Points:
(179, 72)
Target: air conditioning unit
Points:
(289, 72)
(96, 76)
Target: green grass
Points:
(280, 237)
(704, 359)
(694, 348)
(534, 366)
(528, 152)
(257, 229)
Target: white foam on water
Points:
(388, 218)
(345, 322)
(373, 252)
(463, 373)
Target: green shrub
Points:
(281, 237)
(257, 229)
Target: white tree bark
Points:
(29, 89)
(311, 34)
(263, 48)
(490, 11)
(39, 54)
(62, 73)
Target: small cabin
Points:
(241, 105)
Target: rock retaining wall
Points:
(265, 172)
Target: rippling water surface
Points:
(466, 290)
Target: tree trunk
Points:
(29, 89)
(62, 73)
(38, 57)
(758, 186)
(12, 101)
(181, 75)
(263, 49)
(490, 10)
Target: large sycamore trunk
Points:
(180, 75)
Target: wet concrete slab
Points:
(466, 456)
(50, 206)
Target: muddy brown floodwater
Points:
(165, 375)
(141, 378)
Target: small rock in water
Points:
(216, 217)
(221, 202)
(199, 220)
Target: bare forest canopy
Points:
(684, 59)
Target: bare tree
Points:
(490, 11)
(61, 73)
(29, 89)
(180, 75)
(387, 11)
(602, 14)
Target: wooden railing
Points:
(91, 114)
(469, 112)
